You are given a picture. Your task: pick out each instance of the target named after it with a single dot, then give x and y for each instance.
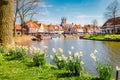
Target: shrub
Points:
(105, 71)
(60, 61)
(72, 63)
(39, 58)
(18, 53)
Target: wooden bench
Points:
(117, 72)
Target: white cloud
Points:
(87, 19)
(89, 16)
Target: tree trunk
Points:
(6, 22)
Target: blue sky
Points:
(76, 11)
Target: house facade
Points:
(108, 26)
(30, 27)
(90, 29)
(18, 29)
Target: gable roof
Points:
(31, 24)
(110, 22)
(77, 26)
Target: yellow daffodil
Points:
(51, 56)
(80, 54)
(72, 47)
(76, 54)
(45, 47)
(69, 52)
(81, 62)
(95, 51)
(61, 50)
(54, 50)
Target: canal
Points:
(108, 51)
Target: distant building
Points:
(90, 29)
(30, 27)
(78, 28)
(18, 29)
(43, 28)
(68, 28)
(108, 26)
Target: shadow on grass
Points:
(76, 76)
(31, 64)
(66, 74)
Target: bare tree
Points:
(94, 24)
(113, 11)
(24, 8)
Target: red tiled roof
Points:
(18, 27)
(77, 26)
(32, 24)
(110, 21)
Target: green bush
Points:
(104, 71)
(59, 61)
(39, 57)
(72, 63)
(18, 53)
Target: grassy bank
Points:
(16, 64)
(101, 37)
(18, 70)
(25, 39)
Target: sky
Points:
(75, 11)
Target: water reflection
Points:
(107, 51)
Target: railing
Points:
(117, 72)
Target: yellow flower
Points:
(95, 51)
(65, 58)
(80, 54)
(76, 54)
(81, 62)
(61, 50)
(51, 56)
(72, 47)
(93, 56)
(45, 47)
(70, 58)
(69, 52)
(54, 50)
(41, 52)
(59, 58)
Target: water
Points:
(107, 51)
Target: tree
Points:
(94, 24)
(6, 21)
(25, 8)
(113, 11)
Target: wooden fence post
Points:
(117, 72)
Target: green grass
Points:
(101, 37)
(19, 70)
